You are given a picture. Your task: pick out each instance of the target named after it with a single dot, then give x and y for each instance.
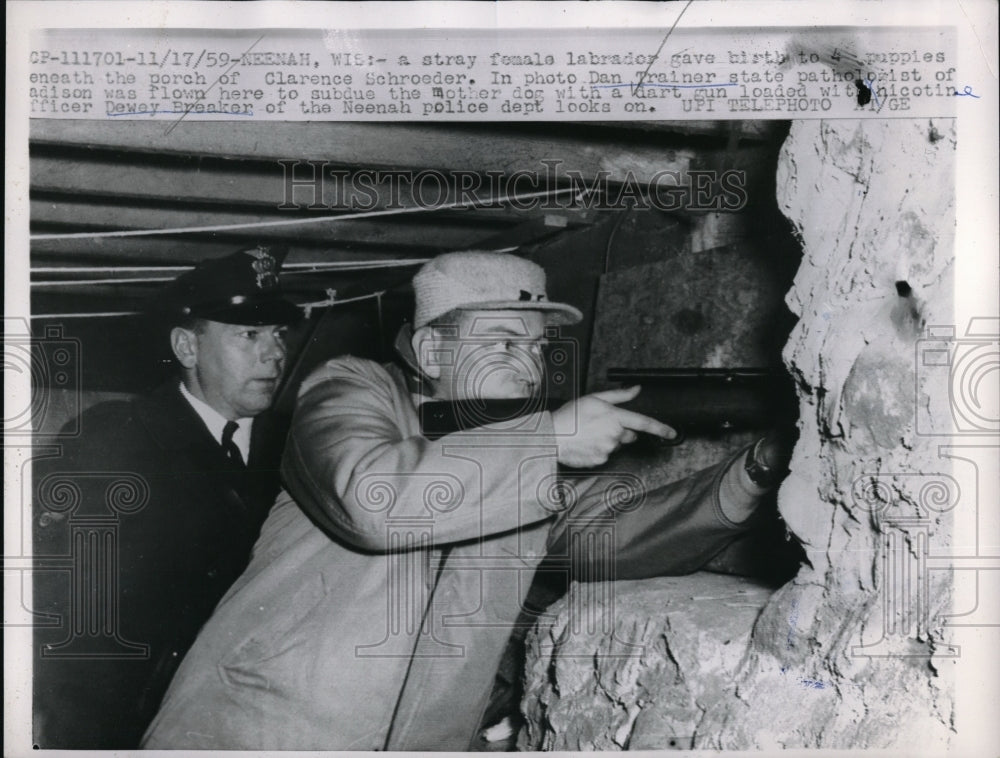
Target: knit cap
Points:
(484, 281)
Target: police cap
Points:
(240, 288)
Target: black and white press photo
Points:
(470, 385)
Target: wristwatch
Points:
(759, 472)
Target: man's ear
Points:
(184, 343)
(425, 344)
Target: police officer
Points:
(158, 501)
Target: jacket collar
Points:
(416, 382)
(174, 424)
(216, 422)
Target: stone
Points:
(634, 665)
(873, 204)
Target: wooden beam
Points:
(300, 287)
(375, 146)
(189, 249)
(530, 232)
(266, 189)
(405, 231)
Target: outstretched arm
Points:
(674, 529)
(350, 464)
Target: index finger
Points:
(640, 423)
(616, 396)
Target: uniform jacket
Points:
(140, 526)
(388, 576)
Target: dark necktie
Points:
(228, 446)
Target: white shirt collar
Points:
(216, 422)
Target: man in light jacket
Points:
(388, 575)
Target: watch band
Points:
(759, 472)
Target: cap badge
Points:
(266, 268)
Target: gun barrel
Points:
(678, 376)
(698, 400)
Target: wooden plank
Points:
(164, 250)
(529, 233)
(405, 231)
(256, 187)
(371, 145)
(300, 287)
(189, 249)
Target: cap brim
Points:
(259, 313)
(556, 314)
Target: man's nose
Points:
(536, 361)
(272, 349)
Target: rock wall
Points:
(611, 676)
(868, 494)
(853, 652)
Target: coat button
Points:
(212, 573)
(45, 519)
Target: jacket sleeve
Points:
(349, 465)
(617, 530)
